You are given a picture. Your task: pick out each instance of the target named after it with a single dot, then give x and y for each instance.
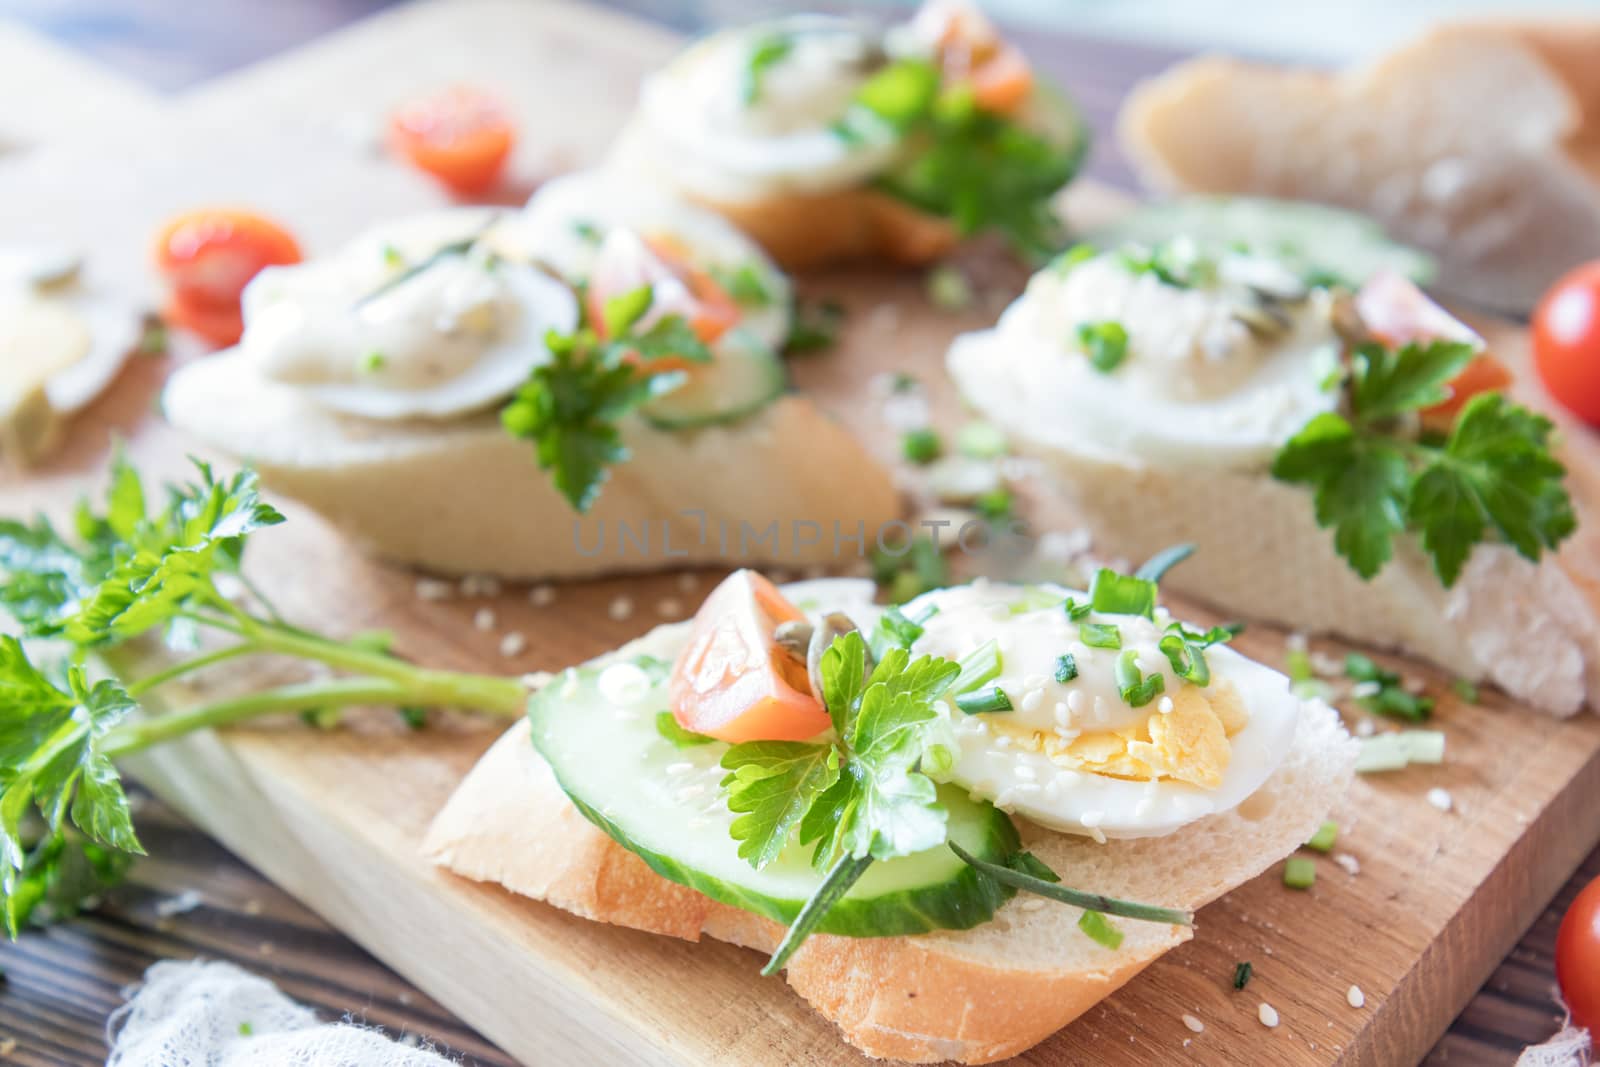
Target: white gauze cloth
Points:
(200, 1013)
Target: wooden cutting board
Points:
(336, 817)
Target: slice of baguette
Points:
(972, 996)
(1479, 142)
(462, 496)
(801, 229)
(1533, 629)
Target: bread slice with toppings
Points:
(1479, 141)
(972, 996)
(462, 496)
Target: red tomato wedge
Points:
(461, 136)
(627, 263)
(972, 52)
(732, 681)
(1566, 341)
(1578, 958)
(1398, 313)
(220, 326)
(210, 255)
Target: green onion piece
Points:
(1099, 635)
(833, 887)
(1312, 689)
(374, 361)
(1359, 668)
(392, 256)
(623, 310)
(1323, 839)
(668, 727)
(1066, 667)
(1399, 704)
(979, 701)
(816, 327)
(1033, 598)
(1299, 872)
(1122, 594)
(1396, 751)
(1072, 257)
(995, 504)
(921, 446)
(414, 717)
(1105, 343)
(1298, 665)
(1188, 660)
(1156, 567)
(1042, 887)
(1464, 690)
(979, 667)
(948, 288)
(981, 440)
(1075, 611)
(1100, 930)
(1136, 689)
(768, 51)
(744, 283)
(1241, 974)
(902, 92)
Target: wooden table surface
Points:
(192, 898)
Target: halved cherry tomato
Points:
(220, 325)
(1578, 958)
(1566, 341)
(1003, 82)
(209, 255)
(717, 312)
(461, 136)
(972, 52)
(733, 681)
(1396, 312)
(710, 310)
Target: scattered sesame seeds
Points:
(688, 582)
(1440, 799)
(1366, 728)
(1164, 705)
(1267, 1014)
(433, 589)
(669, 607)
(621, 608)
(483, 619)
(542, 596)
(1195, 1025)
(1351, 865)
(513, 644)
(1354, 997)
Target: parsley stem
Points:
(340, 692)
(178, 670)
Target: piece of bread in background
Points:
(1480, 142)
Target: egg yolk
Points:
(1189, 743)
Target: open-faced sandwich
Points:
(412, 386)
(863, 792)
(1346, 459)
(827, 139)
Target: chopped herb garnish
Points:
(622, 311)
(1105, 343)
(995, 504)
(1076, 255)
(1491, 478)
(587, 231)
(1100, 930)
(978, 701)
(894, 630)
(1099, 635)
(1136, 690)
(979, 667)
(745, 284)
(768, 51)
(1122, 594)
(1075, 611)
(1383, 691)
(815, 328)
(1241, 974)
(1395, 751)
(981, 440)
(1185, 650)
(1323, 840)
(374, 361)
(1465, 691)
(1033, 598)
(1066, 667)
(948, 288)
(667, 726)
(1299, 872)
(921, 446)
(246, 1030)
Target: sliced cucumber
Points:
(1310, 238)
(746, 376)
(665, 805)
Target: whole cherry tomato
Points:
(461, 136)
(1566, 341)
(208, 257)
(1578, 958)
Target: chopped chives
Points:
(1076, 611)
(1066, 667)
(1135, 688)
(1299, 872)
(979, 701)
(981, 440)
(1241, 974)
(1105, 343)
(1122, 594)
(921, 446)
(1100, 930)
(1323, 839)
(1465, 690)
(978, 667)
(1099, 635)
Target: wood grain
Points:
(1418, 865)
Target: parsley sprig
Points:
(1375, 474)
(570, 407)
(144, 567)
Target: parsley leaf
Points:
(63, 874)
(772, 784)
(1373, 479)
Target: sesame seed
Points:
(535, 680)
(1440, 799)
(1267, 1014)
(513, 644)
(1354, 997)
(1194, 1024)
(688, 582)
(669, 607)
(1366, 689)
(1295, 642)
(1366, 728)
(483, 619)
(1164, 706)
(1032, 699)
(433, 589)
(542, 596)
(621, 608)
(1075, 701)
